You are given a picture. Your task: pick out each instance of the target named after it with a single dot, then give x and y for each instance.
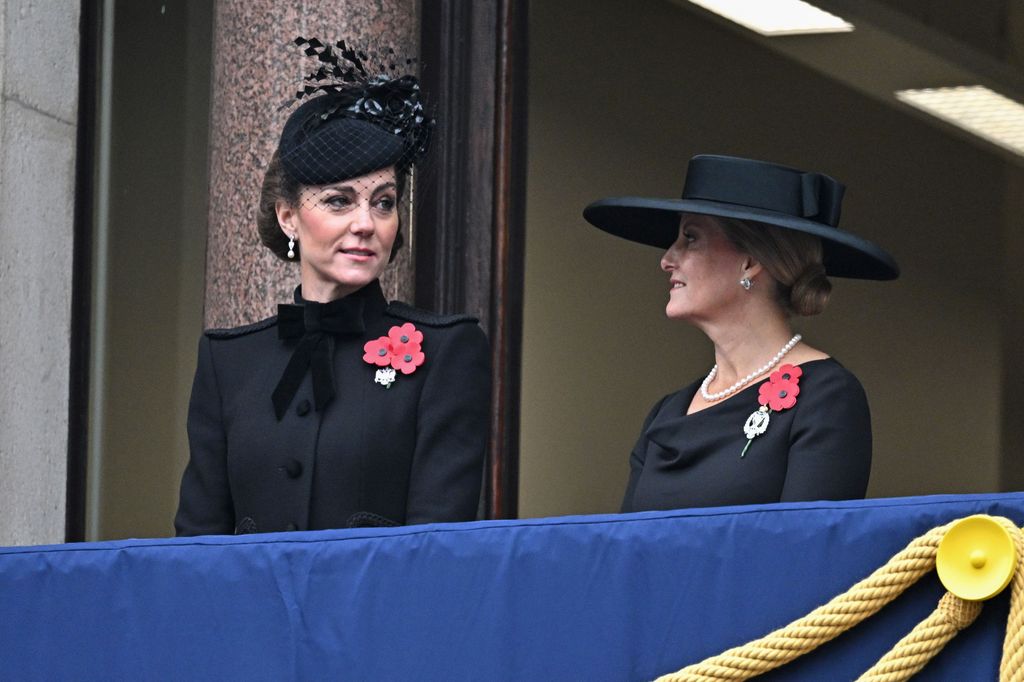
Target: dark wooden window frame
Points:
(470, 203)
(81, 275)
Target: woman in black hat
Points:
(749, 245)
(344, 409)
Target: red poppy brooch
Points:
(777, 394)
(399, 351)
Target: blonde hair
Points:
(791, 257)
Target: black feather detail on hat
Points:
(356, 121)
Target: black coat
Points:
(409, 453)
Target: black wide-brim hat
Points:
(745, 189)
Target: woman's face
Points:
(705, 270)
(345, 232)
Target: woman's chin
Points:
(674, 311)
(355, 278)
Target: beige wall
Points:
(621, 95)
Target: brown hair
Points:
(791, 257)
(277, 186)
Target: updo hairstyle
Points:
(791, 257)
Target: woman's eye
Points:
(386, 204)
(689, 237)
(337, 201)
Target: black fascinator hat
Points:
(733, 187)
(360, 116)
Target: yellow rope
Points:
(863, 600)
(1011, 668)
(911, 653)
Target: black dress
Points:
(818, 449)
(411, 452)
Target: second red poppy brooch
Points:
(400, 350)
(777, 394)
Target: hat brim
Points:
(655, 222)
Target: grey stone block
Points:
(40, 55)
(37, 155)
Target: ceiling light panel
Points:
(976, 109)
(777, 17)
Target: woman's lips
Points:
(359, 255)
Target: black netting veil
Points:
(356, 119)
(359, 130)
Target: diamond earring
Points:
(746, 283)
(291, 246)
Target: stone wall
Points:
(38, 113)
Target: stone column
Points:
(255, 69)
(38, 112)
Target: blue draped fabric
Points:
(611, 597)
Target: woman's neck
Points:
(324, 292)
(741, 348)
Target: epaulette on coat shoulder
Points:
(404, 311)
(234, 332)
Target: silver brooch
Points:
(756, 424)
(385, 377)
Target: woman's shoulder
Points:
(222, 333)
(673, 404)
(455, 342)
(828, 384)
(827, 371)
(408, 313)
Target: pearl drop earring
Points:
(291, 246)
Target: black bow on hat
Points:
(759, 191)
(315, 325)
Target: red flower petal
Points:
(408, 361)
(786, 373)
(401, 349)
(378, 352)
(779, 395)
(405, 334)
(783, 395)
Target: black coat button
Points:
(291, 526)
(293, 468)
(302, 409)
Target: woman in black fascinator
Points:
(343, 409)
(748, 246)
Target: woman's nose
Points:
(362, 220)
(667, 263)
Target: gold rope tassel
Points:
(866, 598)
(823, 623)
(911, 653)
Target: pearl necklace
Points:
(712, 397)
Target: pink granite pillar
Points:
(255, 69)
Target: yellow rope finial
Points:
(981, 557)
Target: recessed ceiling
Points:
(891, 51)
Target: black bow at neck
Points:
(316, 325)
